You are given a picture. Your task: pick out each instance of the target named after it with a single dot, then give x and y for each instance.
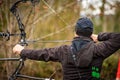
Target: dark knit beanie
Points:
(84, 27)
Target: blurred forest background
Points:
(51, 23)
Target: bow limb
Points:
(21, 26)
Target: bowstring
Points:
(51, 34)
(28, 17)
(56, 32)
(40, 18)
(55, 12)
(33, 26)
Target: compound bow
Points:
(22, 41)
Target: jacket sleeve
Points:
(110, 43)
(47, 54)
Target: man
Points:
(82, 60)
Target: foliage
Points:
(109, 68)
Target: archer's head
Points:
(84, 27)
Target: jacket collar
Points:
(82, 38)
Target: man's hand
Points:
(94, 37)
(17, 49)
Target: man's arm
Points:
(47, 54)
(110, 43)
